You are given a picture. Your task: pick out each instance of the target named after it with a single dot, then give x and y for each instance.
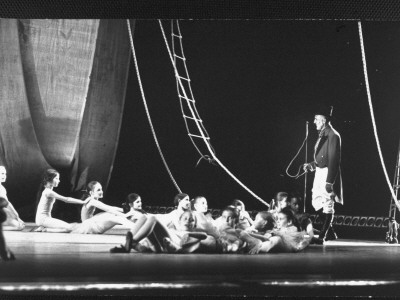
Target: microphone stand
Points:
(305, 175)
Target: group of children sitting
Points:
(189, 228)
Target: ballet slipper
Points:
(120, 249)
(128, 242)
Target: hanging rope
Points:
(299, 171)
(373, 117)
(147, 110)
(198, 126)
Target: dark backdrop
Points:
(256, 84)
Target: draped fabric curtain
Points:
(63, 84)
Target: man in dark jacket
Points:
(326, 165)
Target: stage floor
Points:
(58, 264)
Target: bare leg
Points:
(12, 222)
(189, 243)
(55, 225)
(159, 233)
(172, 247)
(13, 226)
(141, 229)
(106, 221)
(118, 220)
(155, 242)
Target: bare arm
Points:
(53, 194)
(134, 214)
(107, 208)
(258, 236)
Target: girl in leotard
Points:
(133, 207)
(101, 222)
(51, 179)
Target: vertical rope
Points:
(147, 110)
(372, 115)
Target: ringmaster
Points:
(327, 188)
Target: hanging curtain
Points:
(20, 152)
(105, 103)
(63, 85)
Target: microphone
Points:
(306, 128)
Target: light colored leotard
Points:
(87, 211)
(3, 192)
(94, 224)
(44, 207)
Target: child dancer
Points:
(263, 223)
(51, 179)
(101, 222)
(133, 207)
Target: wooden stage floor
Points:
(73, 264)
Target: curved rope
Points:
(199, 128)
(298, 172)
(394, 196)
(147, 110)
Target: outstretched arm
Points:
(107, 208)
(53, 194)
(258, 236)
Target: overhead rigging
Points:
(147, 109)
(191, 115)
(364, 61)
(186, 96)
